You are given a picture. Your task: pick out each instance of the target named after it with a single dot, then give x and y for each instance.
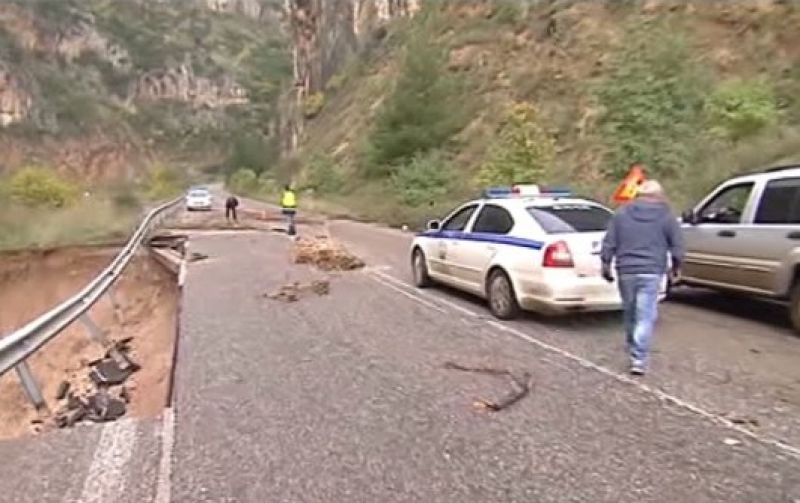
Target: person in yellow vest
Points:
(289, 208)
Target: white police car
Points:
(520, 248)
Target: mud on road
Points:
(35, 281)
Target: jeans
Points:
(639, 294)
(289, 214)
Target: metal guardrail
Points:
(16, 347)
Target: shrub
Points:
(163, 182)
(741, 108)
(322, 175)
(523, 151)
(313, 105)
(652, 103)
(425, 179)
(38, 186)
(243, 181)
(424, 110)
(253, 150)
(507, 12)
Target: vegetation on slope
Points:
(148, 77)
(571, 94)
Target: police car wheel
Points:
(420, 268)
(500, 293)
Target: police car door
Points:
(449, 241)
(482, 243)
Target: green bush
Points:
(313, 105)
(523, 151)
(38, 186)
(322, 176)
(243, 181)
(424, 180)
(507, 12)
(741, 108)
(253, 150)
(163, 183)
(652, 103)
(424, 110)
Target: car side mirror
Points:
(434, 225)
(689, 217)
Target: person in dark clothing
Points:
(639, 239)
(230, 208)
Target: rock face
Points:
(69, 43)
(254, 9)
(15, 101)
(181, 84)
(323, 34)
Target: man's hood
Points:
(648, 211)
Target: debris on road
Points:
(100, 395)
(63, 389)
(293, 291)
(521, 386)
(732, 442)
(197, 256)
(744, 421)
(325, 254)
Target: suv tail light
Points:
(557, 255)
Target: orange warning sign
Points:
(626, 191)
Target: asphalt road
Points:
(734, 357)
(345, 397)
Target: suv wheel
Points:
(419, 266)
(500, 294)
(794, 306)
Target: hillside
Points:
(431, 108)
(103, 89)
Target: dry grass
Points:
(88, 222)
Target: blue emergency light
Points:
(525, 191)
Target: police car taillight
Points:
(557, 255)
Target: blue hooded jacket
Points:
(640, 236)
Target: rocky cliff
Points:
(323, 34)
(155, 75)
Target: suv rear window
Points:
(575, 217)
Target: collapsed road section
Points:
(80, 379)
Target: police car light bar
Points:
(527, 190)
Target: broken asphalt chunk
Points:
(109, 372)
(63, 389)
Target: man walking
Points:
(230, 208)
(289, 208)
(639, 237)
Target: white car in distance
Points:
(199, 199)
(520, 248)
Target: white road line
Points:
(106, 478)
(164, 483)
(403, 284)
(659, 394)
(415, 298)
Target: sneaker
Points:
(637, 369)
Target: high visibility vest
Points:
(288, 200)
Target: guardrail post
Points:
(115, 306)
(95, 333)
(30, 385)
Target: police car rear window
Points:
(564, 218)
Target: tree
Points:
(523, 151)
(422, 112)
